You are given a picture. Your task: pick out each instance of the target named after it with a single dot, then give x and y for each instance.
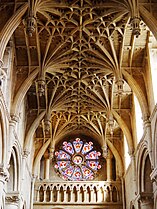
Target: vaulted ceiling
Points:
(83, 59)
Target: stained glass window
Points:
(77, 160)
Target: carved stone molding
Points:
(26, 153)
(12, 198)
(4, 174)
(153, 176)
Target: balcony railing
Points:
(97, 192)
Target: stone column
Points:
(109, 165)
(12, 124)
(147, 129)
(32, 191)
(47, 168)
(85, 192)
(153, 177)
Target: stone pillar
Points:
(4, 175)
(12, 124)
(32, 191)
(153, 177)
(85, 193)
(47, 168)
(109, 165)
(58, 195)
(147, 129)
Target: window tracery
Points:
(77, 160)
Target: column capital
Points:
(12, 198)
(25, 153)
(14, 119)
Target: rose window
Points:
(77, 161)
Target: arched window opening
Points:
(138, 118)
(11, 182)
(147, 180)
(153, 65)
(126, 154)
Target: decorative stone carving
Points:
(12, 199)
(105, 151)
(2, 73)
(41, 87)
(26, 153)
(47, 125)
(135, 23)
(4, 174)
(120, 84)
(31, 24)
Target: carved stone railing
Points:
(96, 192)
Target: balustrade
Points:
(77, 192)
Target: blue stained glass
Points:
(93, 155)
(62, 155)
(94, 165)
(62, 164)
(77, 145)
(77, 161)
(87, 173)
(68, 172)
(87, 147)
(68, 147)
(77, 175)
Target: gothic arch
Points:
(10, 27)
(149, 20)
(22, 92)
(32, 130)
(14, 169)
(138, 92)
(143, 162)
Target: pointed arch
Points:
(10, 27)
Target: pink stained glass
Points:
(62, 155)
(77, 175)
(68, 172)
(87, 173)
(87, 147)
(77, 161)
(62, 164)
(94, 165)
(93, 155)
(77, 145)
(68, 147)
